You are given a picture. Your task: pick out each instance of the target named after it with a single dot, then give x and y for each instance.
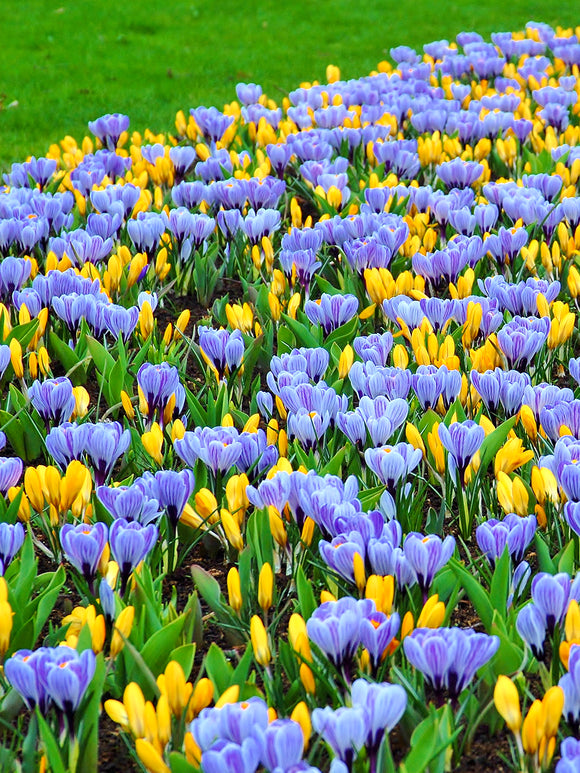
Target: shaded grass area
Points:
(67, 63)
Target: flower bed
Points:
(291, 427)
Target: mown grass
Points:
(67, 63)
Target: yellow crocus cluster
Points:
(152, 725)
(45, 486)
(536, 735)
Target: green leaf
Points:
(334, 465)
(565, 558)
(306, 597)
(218, 669)
(157, 651)
(184, 655)
(68, 358)
(303, 335)
(53, 752)
(179, 764)
(104, 361)
(208, 587)
(343, 334)
(370, 497)
(545, 562)
(259, 537)
(286, 340)
(492, 443)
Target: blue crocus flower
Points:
(375, 347)
(226, 755)
(218, 448)
(334, 628)
(569, 761)
(233, 722)
(158, 383)
(14, 272)
(52, 676)
(384, 704)
(344, 730)
(392, 464)
(174, 489)
(283, 745)
(222, 349)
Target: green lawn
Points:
(66, 63)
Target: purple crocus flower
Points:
(427, 555)
(392, 464)
(344, 730)
(521, 340)
(331, 311)
(67, 442)
(108, 128)
(130, 543)
(132, 503)
(14, 272)
(374, 348)
(233, 722)
(53, 399)
(459, 173)
(174, 489)
(377, 631)
(551, 594)
(570, 684)
(569, 761)
(158, 383)
(531, 626)
(83, 546)
(105, 443)
(513, 532)
(222, 349)
(334, 628)
(68, 675)
(218, 448)
(384, 704)
(449, 658)
(10, 472)
(211, 122)
(283, 745)
(506, 245)
(462, 441)
(11, 540)
(226, 755)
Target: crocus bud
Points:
(265, 587)
(234, 590)
(507, 703)
(259, 638)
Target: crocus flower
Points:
(174, 489)
(392, 464)
(105, 443)
(427, 555)
(384, 704)
(449, 658)
(462, 441)
(283, 745)
(130, 543)
(570, 684)
(344, 730)
(10, 472)
(83, 546)
(132, 503)
(513, 532)
(334, 628)
(53, 399)
(221, 349)
(108, 128)
(331, 311)
(218, 448)
(11, 540)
